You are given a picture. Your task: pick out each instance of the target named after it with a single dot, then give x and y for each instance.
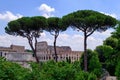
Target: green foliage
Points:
(111, 41)
(90, 20)
(64, 71)
(25, 26)
(55, 24)
(68, 60)
(35, 73)
(104, 52)
(107, 57)
(116, 33)
(92, 77)
(94, 65)
(12, 71)
(39, 23)
(50, 70)
(58, 71)
(109, 53)
(117, 73)
(85, 76)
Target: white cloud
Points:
(6, 40)
(93, 42)
(46, 10)
(103, 35)
(8, 16)
(75, 41)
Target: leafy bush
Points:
(47, 71)
(12, 71)
(64, 71)
(117, 72)
(94, 65)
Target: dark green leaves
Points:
(26, 25)
(39, 22)
(90, 20)
(13, 28)
(55, 24)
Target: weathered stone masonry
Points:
(45, 52)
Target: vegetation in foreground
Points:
(50, 70)
(109, 53)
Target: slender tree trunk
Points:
(33, 49)
(85, 51)
(56, 57)
(36, 50)
(37, 60)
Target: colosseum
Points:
(45, 52)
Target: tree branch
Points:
(56, 33)
(91, 32)
(80, 29)
(52, 33)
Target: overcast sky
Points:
(14, 9)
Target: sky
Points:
(14, 9)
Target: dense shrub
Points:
(94, 65)
(64, 71)
(12, 71)
(117, 73)
(47, 71)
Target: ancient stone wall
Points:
(46, 52)
(42, 46)
(18, 48)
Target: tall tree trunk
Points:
(85, 51)
(34, 52)
(37, 60)
(34, 49)
(56, 57)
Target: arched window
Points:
(1, 54)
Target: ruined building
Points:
(45, 52)
(17, 54)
